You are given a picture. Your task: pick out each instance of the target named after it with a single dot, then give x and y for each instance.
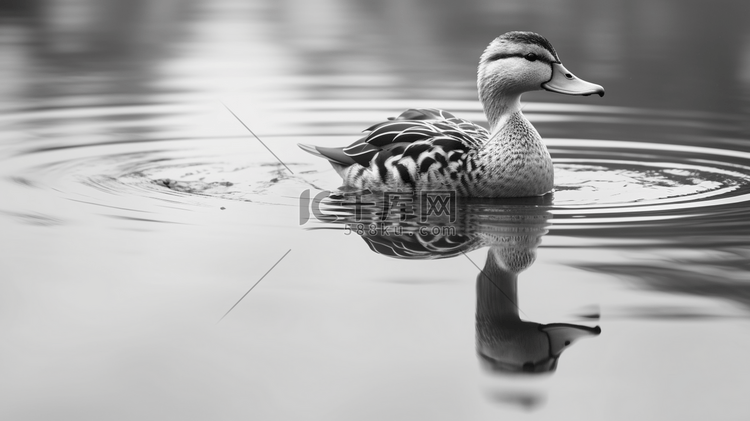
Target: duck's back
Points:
(420, 149)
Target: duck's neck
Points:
(499, 98)
(498, 107)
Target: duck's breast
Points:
(514, 163)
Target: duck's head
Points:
(518, 62)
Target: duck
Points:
(432, 149)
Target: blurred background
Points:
(664, 54)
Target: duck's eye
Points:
(531, 57)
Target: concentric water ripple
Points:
(616, 181)
(599, 183)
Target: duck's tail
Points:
(311, 149)
(336, 156)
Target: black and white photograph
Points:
(374, 210)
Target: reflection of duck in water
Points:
(504, 341)
(433, 149)
(512, 232)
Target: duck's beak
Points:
(564, 82)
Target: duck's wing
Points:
(414, 132)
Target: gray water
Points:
(136, 211)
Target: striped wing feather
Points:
(413, 133)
